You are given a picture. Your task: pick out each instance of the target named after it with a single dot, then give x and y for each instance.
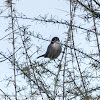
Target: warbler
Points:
(54, 49)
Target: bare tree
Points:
(72, 76)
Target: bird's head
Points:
(55, 39)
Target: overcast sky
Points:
(30, 8)
(33, 8)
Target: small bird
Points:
(54, 49)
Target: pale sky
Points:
(33, 8)
(30, 8)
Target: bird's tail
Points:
(41, 56)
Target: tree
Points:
(75, 74)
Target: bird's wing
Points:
(49, 51)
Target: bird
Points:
(54, 49)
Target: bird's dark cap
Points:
(55, 39)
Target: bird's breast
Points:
(56, 46)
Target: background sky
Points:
(31, 9)
(59, 9)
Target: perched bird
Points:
(53, 50)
